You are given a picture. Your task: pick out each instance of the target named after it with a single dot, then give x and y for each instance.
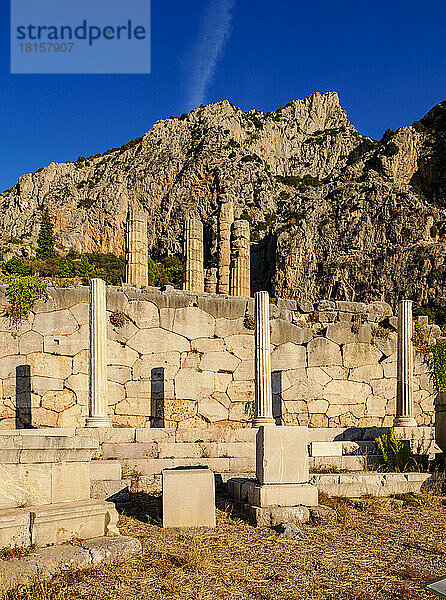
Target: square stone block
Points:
(279, 494)
(15, 528)
(235, 488)
(326, 448)
(282, 454)
(70, 481)
(188, 498)
(59, 523)
(105, 470)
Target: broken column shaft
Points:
(240, 259)
(193, 255)
(136, 269)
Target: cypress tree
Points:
(45, 241)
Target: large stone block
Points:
(188, 498)
(340, 333)
(280, 494)
(144, 313)
(271, 516)
(288, 356)
(219, 362)
(194, 384)
(283, 331)
(192, 323)
(282, 454)
(346, 392)
(241, 345)
(358, 355)
(322, 352)
(212, 410)
(59, 523)
(67, 345)
(55, 323)
(157, 341)
(15, 528)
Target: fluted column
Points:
(98, 356)
(136, 267)
(225, 220)
(193, 255)
(240, 259)
(404, 390)
(263, 412)
(210, 281)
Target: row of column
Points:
(263, 390)
(233, 275)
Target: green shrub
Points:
(22, 293)
(85, 269)
(16, 266)
(109, 267)
(172, 271)
(153, 273)
(396, 453)
(66, 268)
(45, 241)
(437, 364)
(119, 319)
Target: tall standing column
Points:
(225, 220)
(136, 268)
(193, 255)
(404, 391)
(240, 259)
(263, 413)
(98, 356)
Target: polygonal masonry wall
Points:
(187, 360)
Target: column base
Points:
(404, 422)
(98, 422)
(260, 421)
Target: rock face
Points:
(334, 213)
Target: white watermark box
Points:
(80, 36)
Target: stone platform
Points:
(45, 480)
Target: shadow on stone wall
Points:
(276, 382)
(157, 397)
(23, 417)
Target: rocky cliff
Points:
(333, 213)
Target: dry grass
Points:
(381, 551)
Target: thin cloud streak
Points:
(215, 31)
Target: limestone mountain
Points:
(333, 213)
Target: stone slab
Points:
(59, 523)
(326, 448)
(45, 563)
(279, 494)
(14, 528)
(272, 516)
(282, 454)
(188, 498)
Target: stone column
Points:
(193, 255)
(263, 412)
(240, 260)
(98, 356)
(210, 282)
(136, 267)
(404, 391)
(225, 220)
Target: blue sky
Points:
(387, 61)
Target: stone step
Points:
(345, 463)
(342, 448)
(326, 434)
(355, 485)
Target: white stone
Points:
(288, 356)
(192, 323)
(144, 313)
(59, 322)
(366, 373)
(241, 345)
(346, 392)
(323, 352)
(191, 384)
(219, 361)
(212, 410)
(358, 355)
(158, 340)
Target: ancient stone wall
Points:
(186, 360)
